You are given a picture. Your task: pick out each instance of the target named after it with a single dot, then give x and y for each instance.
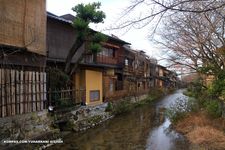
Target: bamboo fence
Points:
(22, 91)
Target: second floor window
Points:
(107, 52)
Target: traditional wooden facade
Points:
(136, 71)
(110, 60)
(120, 70)
(22, 56)
(153, 73)
(172, 79)
(142, 67)
(105, 68)
(115, 72)
(165, 78)
(60, 37)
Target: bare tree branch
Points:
(161, 7)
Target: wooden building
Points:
(99, 76)
(115, 72)
(129, 70)
(136, 71)
(142, 68)
(153, 73)
(110, 60)
(165, 78)
(60, 37)
(22, 56)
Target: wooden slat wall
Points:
(21, 91)
(1, 91)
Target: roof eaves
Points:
(53, 16)
(50, 15)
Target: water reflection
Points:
(162, 138)
(140, 129)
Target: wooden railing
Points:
(140, 70)
(116, 95)
(100, 59)
(129, 69)
(106, 60)
(65, 97)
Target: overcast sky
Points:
(113, 9)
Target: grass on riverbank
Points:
(124, 106)
(201, 121)
(202, 130)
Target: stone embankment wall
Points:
(27, 126)
(82, 118)
(46, 126)
(87, 117)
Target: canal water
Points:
(143, 128)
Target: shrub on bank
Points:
(126, 105)
(122, 107)
(155, 93)
(181, 108)
(213, 108)
(208, 98)
(206, 101)
(109, 107)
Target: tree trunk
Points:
(78, 57)
(94, 57)
(73, 50)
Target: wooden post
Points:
(13, 91)
(22, 92)
(33, 99)
(50, 97)
(3, 94)
(27, 91)
(45, 90)
(42, 90)
(8, 93)
(38, 91)
(17, 92)
(1, 98)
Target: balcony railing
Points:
(116, 95)
(129, 69)
(106, 60)
(140, 70)
(100, 59)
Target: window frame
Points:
(95, 99)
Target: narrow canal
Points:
(143, 128)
